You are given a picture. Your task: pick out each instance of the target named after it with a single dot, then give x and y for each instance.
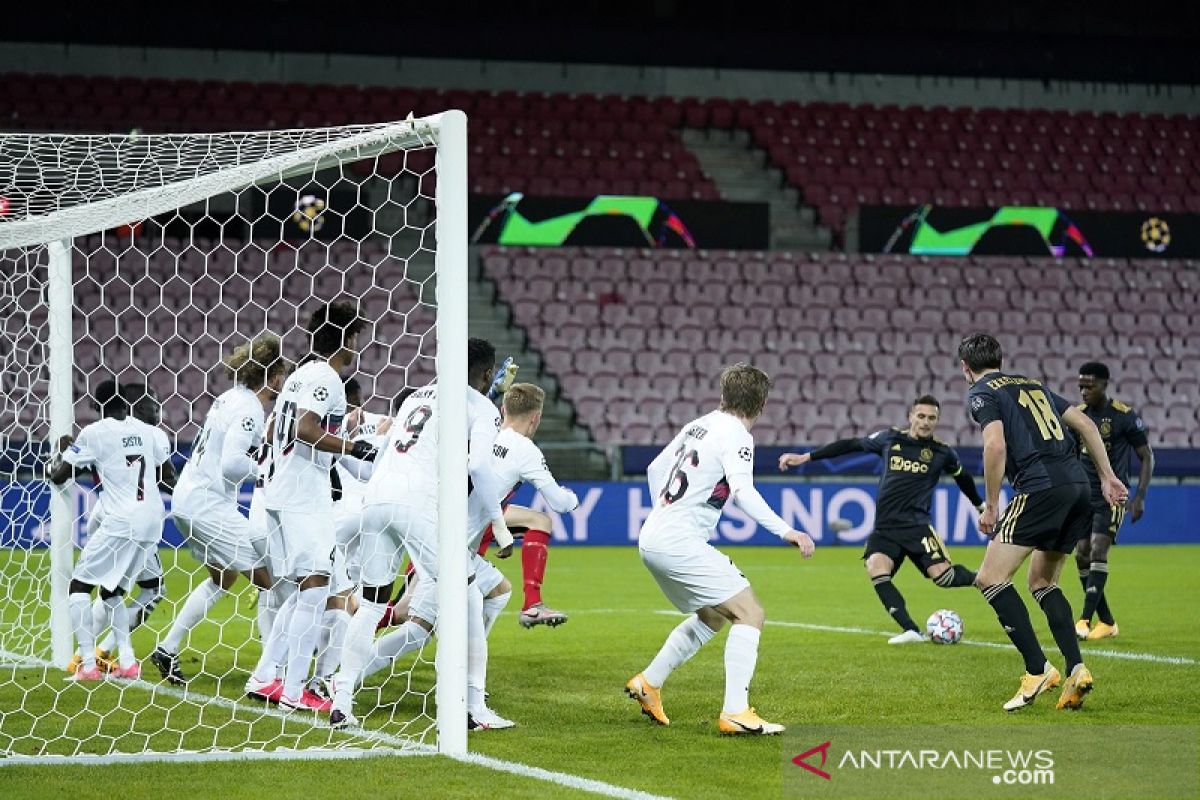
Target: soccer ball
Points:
(945, 627)
(307, 215)
(1156, 235)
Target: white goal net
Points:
(147, 260)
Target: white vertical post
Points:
(451, 264)
(60, 302)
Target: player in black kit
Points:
(1024, 439)
(914, 463)
(1123, 433)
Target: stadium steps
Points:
(741, 173)
(570, 452)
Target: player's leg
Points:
(1095, 597)
(882, 556)
(1044, 570)
(534, 554)
(746, 615)
(150, 591)
(195, 608)
(494, 602)
(1083, 561)
(104, 561)
(80, 602)
(936, 564)
(264, 682)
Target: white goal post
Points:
(201, 216)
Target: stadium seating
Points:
(636, 336)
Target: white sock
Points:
(302, 632)
(140, 609)
(275, 648)
(741, 656)
(477, 651)
(268, 607)
(194, 610)
(81, 621)
(333, 636)
(356, 650)
(492, 606)
(683, 643)
(118, 615)
(101, 622)
(408, 637)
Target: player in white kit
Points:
(710, 461)
(205, 503)
(129, 463)
(304, 439)
(400, 515)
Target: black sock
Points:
(1084, 576)
(957, 575)
(1014, 617)
(1062, 623)
(1095, 589)
(893, 601)
(1103, 611)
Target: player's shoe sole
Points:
(269, 692)
(168, 666)
(648, 697)
(1082, 630)
(1078, 686)
(1032, 686)
(747, 723)
(540, 615)
(1102, 631)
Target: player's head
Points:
(143, 402)
(400, 398)
(259, 363)
(923, 416)
(481, 363)
(979, 353)
(1093, 382)
(334, 330)
(744, 390)
(109, 401)
(523, 404)
(353, 393)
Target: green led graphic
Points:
(929, 241)
(517, 229)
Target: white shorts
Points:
(113, 561)
(347, 529)
(300, 543)
(219, 536)
(152, 572)
(694, 574)
(487, 576)
(390, 530)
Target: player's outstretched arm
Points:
(1114, 491)
(966, 485)
(832, 450)
(310, 431)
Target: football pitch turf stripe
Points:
(1182, 661)
(396, 745)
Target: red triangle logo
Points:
(800, 761)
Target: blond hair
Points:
(744, 390)
(253, 363)
(522, 399)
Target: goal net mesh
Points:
(182, 248)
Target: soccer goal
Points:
(148, 259)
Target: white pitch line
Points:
(399, 745)
(1088, 652)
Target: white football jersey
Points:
(517, 460)
(299, 477)
(689, 496)
(412, 443)
(124, 455)
(232, 427)
(352, 487)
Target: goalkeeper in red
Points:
(708, 462)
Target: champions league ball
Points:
(944, 627)
(307, 215)
(1156, 235)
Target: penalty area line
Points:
(1087, 652)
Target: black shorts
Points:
(1053, 519)
(1106, 519)
(920, 544)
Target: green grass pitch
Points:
(563, 686)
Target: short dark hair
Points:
(744, 390)
(331, 325)
(143, 402)
(481, 355)
(1094, 369)
(109, 401)
(353, 389)
(400, 398)
(927, 400)
(981, 351)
